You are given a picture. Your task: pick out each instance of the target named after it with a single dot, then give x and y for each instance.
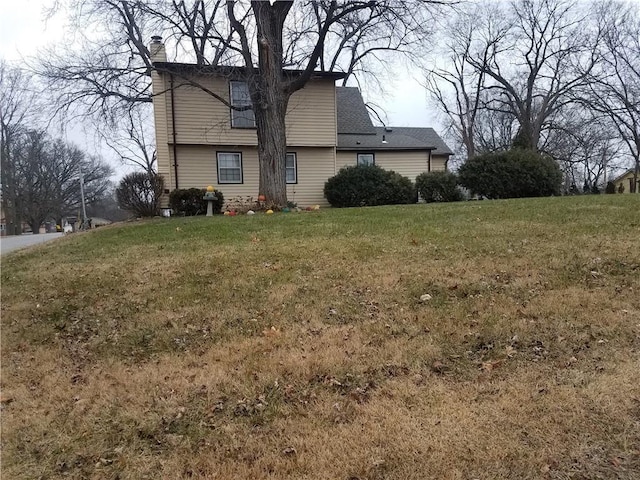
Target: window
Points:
(366, 159)
(229, 167)
(240, 98)
(292, 168)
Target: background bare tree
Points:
(513, 69)
(586, 146)
(16, 102)
(132, 139)
(458, 87)
(547, 51)
(47, 176)
(613, 89)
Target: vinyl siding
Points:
(201, 119)
(439, 163)
(197, 169)
(161, 128)
(315, 166)
(407, 163)
(627, 182)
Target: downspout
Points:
(173, 128)
(429, 162)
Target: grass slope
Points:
(296, 346)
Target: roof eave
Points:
(226, 70)
(365, 148)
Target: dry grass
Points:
(296, 346)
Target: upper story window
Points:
(292, 168)
(229, 167)
(240, 98)
(366, 159)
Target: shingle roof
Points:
(356, 131)
(352, 114)
(622, 175)
(397, 138)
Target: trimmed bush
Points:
(139, 193)
(190, 201)
(512, 174)
(611, 188)
(368, 185)
(438, 187)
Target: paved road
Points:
(9, 244)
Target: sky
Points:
(24, 30)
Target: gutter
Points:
(173, 128)
(362, 148)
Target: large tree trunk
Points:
(35, 226)
(272, 151)
(270, 98)
(528, 135)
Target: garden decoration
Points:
(210, 197)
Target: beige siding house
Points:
(624, 182)
(201, 142)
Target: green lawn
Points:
(296, 345)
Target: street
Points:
(9, 244)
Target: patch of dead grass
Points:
(298, 347)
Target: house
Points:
(624, 182)
(201, 142)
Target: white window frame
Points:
(366, 154)
(294, 168)
(238, 155)
(238, 114)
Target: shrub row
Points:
(511, 174)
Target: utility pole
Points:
(84, 208)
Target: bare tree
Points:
(109, 74)
(547, 51)
(16, 100)
(613, 90)
(457, 86)
(132, 139)
(47, 178)
(586, 146)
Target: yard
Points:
(478, 340)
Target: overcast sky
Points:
(24, 30)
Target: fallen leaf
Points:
(491, 365)
(271, 332)
(439, 367)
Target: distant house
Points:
(626, 181)
(202, 142)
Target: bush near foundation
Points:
(438, 187)
(368, 185)
(188, 202)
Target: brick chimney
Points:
(156, 48)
